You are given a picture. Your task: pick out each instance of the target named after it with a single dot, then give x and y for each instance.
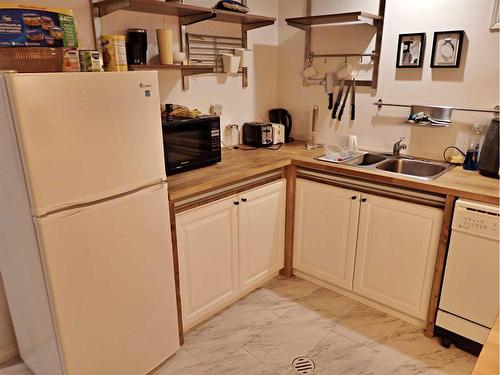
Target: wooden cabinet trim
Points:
(214, 196)
(291, 178)
(444, 239)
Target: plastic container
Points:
(232, 136)
(31, 59)
(244, 54)
(231, 63)
(472, 155)
(164, 39)
(114, 53)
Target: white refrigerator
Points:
(85, 243)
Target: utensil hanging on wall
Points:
(341, 112)
(339, 98)
(353, 99)
(329, 89)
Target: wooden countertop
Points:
(239, 164)
(488, 363)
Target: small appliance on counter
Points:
(278, 134)
(257, 134)
(191, 143)
(282, 116)
(488, 158)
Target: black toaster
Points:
(257, 134)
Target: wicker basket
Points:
(31, 59)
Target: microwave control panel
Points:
(215, 135)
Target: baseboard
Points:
(398, 314)
(221, 308)
(8, 353)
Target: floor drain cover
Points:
(303, 365)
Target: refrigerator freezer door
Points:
(86, 136)
(20, 266)
(110, 276)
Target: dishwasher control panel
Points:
(478, 219)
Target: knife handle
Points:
(353, 111)
(341, 112)
(334, 112)
(330, 100)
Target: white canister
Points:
(245, 55)
(230, 62)
(164, 38)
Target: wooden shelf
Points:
(332, 19)
(188, 14)
(170, 67)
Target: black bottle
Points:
(137, 46)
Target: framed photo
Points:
(495, 20)
(410, 50)
(447, 49)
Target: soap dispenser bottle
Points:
(472, 156)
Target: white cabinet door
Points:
(326, 219)
(261, 223)
(396, 254)
(208, 259)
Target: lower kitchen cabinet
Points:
(379, 248)
(228, 248)
(261, 234)
(208, 259)
(396, 253)
(326, 222)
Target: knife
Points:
(329, 89)
(339, 98)
(341, 112)
(353, 99)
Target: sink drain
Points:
(303, 365)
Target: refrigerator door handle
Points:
(78, 208)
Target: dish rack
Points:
(206, 50)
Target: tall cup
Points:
(352, 143)
(164, 38)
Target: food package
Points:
(232, 5)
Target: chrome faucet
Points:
(398, 146)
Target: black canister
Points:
(137, 46)
(488, 158)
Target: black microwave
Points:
(191, 143)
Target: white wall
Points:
(239, 105)
(474, 84)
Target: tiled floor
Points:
(263, 333)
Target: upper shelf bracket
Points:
(306, 23)
(195, 18)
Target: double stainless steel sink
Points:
(421, 169)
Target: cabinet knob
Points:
(354, 197)
(363, 200)
(236, 203)
(244, 200)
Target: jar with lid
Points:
(232, 136)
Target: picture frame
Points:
(495, 19)
(447, 49)
(410, 50)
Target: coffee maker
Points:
(488, 158)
